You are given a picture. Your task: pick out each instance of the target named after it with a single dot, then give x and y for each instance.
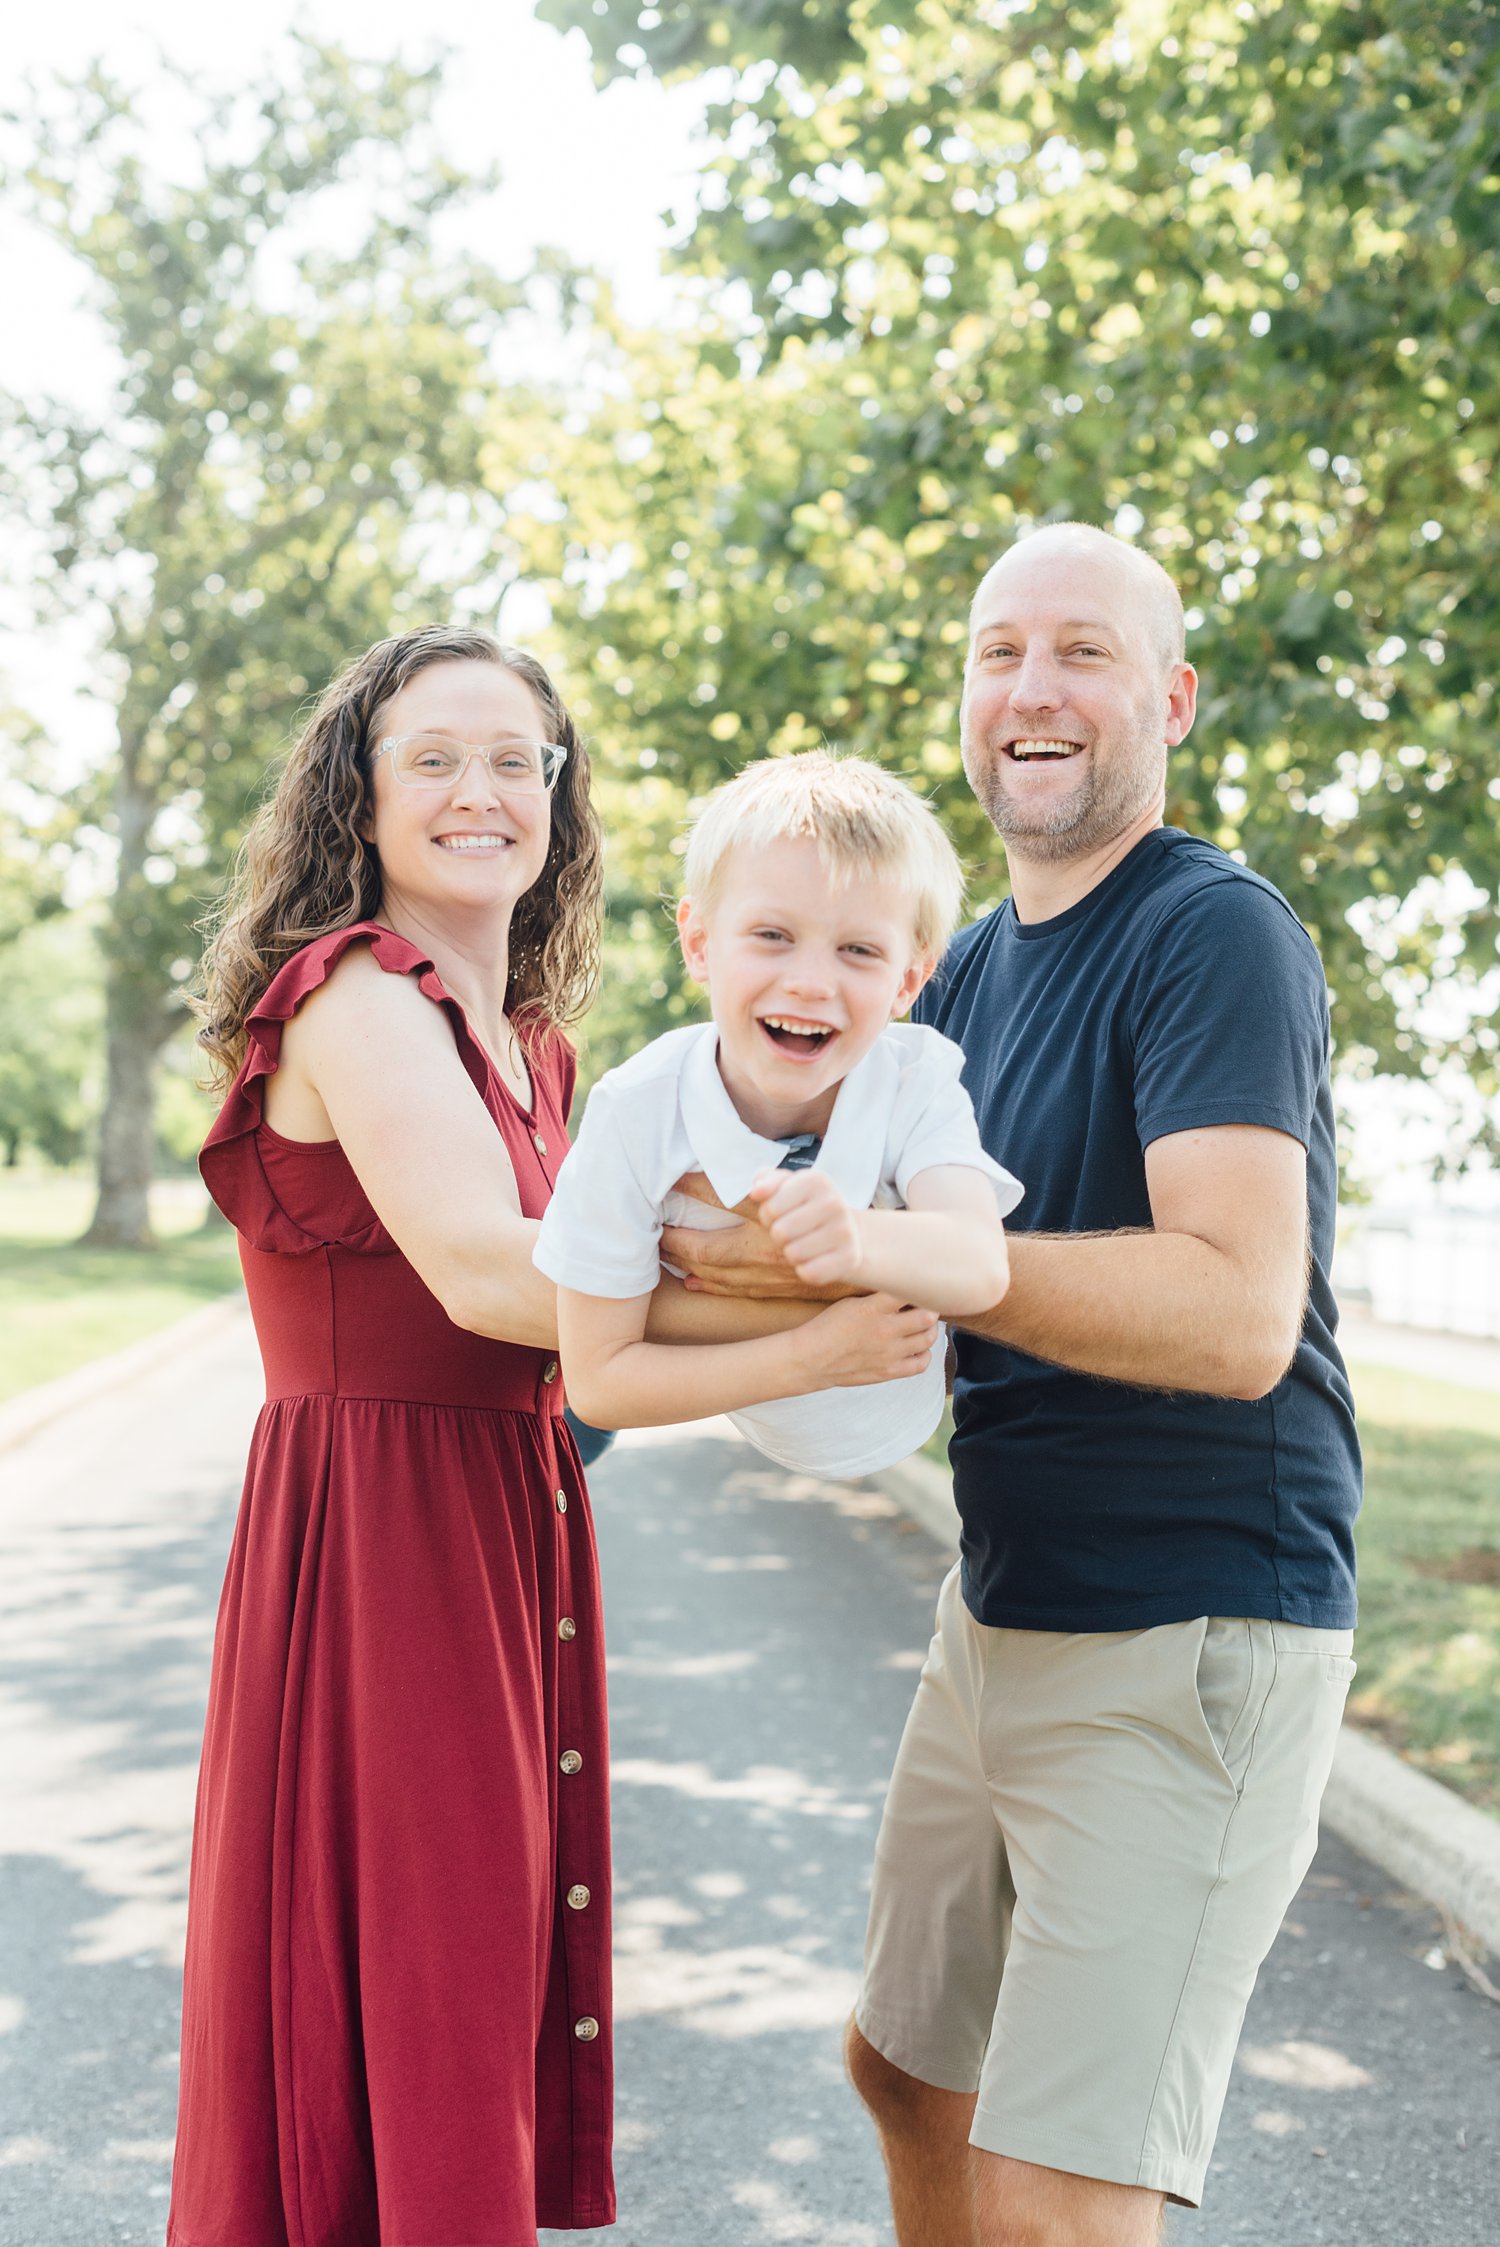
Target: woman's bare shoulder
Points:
(361, 1021)
(358, 989)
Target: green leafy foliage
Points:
(50, 1012)
(34, 831)
(299, 458)
(1226, 279)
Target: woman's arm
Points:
(618, 1378)
(368, 1060)
(381, 1059)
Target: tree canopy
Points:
(299, 456)
(1224, 279)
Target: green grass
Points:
(1428, 1645)
(61, 1305)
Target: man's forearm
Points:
(1160, 1310)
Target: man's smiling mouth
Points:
(1025, 752)
(789, 1035)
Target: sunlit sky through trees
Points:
(600, 176)
(604, 177)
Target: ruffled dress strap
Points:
(234, 1156)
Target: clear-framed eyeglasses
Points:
(437, 760)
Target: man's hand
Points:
(740, 1260)
(697, 1189)
(811, 1223)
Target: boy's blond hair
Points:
(864, 821)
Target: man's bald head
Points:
(1075, 689)
(1154, 599)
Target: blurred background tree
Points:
(298, 459)
(34, 832)
(1224, 279)
(51, 1017)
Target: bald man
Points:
(1106, 1795)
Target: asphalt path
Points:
(766, 1631)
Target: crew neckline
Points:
(1033, 932)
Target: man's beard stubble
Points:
(1110, 799)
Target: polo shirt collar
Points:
(729, 1153)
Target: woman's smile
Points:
(464, 841)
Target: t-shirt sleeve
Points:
(1231, 1017)
(600, 1231)
(942, 1131)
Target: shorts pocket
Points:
(1330, 1649)
(1231, 1678)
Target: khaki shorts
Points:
(1088, 1846)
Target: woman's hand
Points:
(867, 1339)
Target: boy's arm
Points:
(617, 1379)
(946, 1249)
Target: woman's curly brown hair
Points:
(306, 869)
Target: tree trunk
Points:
(122, 1214)
(136, 1023)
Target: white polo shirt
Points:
(900, 1111)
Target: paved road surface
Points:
(765, 1635)
(1471, 1360)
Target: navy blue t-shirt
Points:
(1182, 992)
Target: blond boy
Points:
(820, 895)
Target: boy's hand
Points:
(811, 1223)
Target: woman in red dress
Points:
(396, 2018)
(396, 2022)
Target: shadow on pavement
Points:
(765, 1635)
(113, 1530)
(88, 2073)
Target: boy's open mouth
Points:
(802, 1038)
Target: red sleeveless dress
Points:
(396, 2020)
